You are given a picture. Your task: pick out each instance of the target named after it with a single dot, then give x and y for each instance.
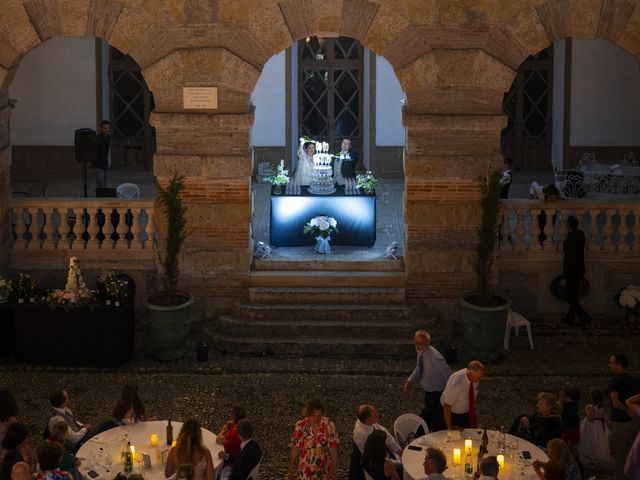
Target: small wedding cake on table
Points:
(323, 182)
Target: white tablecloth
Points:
(102, 452)
(412, 460)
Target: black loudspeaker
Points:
(106, 192)
(85, 144)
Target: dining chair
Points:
(253, 474)
(515, 321)
(406, 425)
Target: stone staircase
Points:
(322, 308)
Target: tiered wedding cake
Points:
(323, 182)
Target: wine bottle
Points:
(502, 440)
(169, 433)
(128, 459)
(484, 444)
(468, 465)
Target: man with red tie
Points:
(459, 397)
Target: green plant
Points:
(487, 232)
(282, 177)
(175, 213)
(367, 181)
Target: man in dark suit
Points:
(573, 269)
(250, 453)
(344, 164)
(103, 154)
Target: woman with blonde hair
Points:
(541, 426)
(559, 455)
(190, 449)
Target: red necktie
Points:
(473, 422)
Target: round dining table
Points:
(101, 454)
(516, 467)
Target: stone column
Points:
(5, 183)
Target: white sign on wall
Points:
(200, 98)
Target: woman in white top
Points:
(304, 171)
(190, 449)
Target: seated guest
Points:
(190, 449)
(551, 471)
(542, 426)
(129, 409)
(61, 412)
(250, 453)
(375, 461)
(559, 456)
(8, 412)
(20, 471)
(548, 193)
(228, 436)
(135, 476)
(435, 463)
(49, 456)
(16, 448)
(489, 468)
(69, 461)
(185, 472)
(459, 397)
(366, 423)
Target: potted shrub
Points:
(169, 310)
(484, 312)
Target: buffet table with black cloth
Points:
(355, 214)
(102, 337)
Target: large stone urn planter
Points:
(483, 327)
(169, 323)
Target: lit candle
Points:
(500, 458)
(457, 456)
(174, 443)
(154, 440)
(468, 445)
(133, 452)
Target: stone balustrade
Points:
(532, 225)
(90, 224)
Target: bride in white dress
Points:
(304, 171)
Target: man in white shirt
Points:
(459, 397)
(435, 463)
(62, 413)
(433, 372)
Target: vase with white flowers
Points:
(367, 182)
(321, 227)
(629, 297)
(279, 179)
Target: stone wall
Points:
(455, 59)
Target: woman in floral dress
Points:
(314, 445)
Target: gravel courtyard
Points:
(274, 389)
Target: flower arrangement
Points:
(75, 293)
(282, 177)
(629, 297)
(117, 289)
(321, 225)
(6, 288)
(105, 276)
(26, 287)
(367, 181)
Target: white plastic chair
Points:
(253, 474)
(264, 170)
(407, 424)
(127, 190)
(366, 475)
(515, 321)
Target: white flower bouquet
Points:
(322, 226)
(6, 288)
(367, 181)
(629, 296)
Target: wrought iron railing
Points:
(82, 224)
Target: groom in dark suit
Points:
(250, 453)
(348, 167)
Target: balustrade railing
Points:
(86, 223)
(530, 225)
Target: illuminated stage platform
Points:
(355, 214)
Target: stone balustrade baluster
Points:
(634, 229)
(150, 230)
(526, 223)
(46, 226)
(609, 231)
(108, 229)
(136, 228)
(123, 228)
(93, 243)
(64, 228)
(518, 233)
(20, 243)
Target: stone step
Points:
(327, 295)
(337, 313)
(305, 329)
(315, 347)
(333, 278)
(326, 263)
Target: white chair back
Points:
(406, 425)
(253, 474)
(366, 475)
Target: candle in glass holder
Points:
(457, 456)
(468, 445)
(500, 458)
(133, 452)
(174, 443)
(154, 440)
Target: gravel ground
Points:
(274, 389)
